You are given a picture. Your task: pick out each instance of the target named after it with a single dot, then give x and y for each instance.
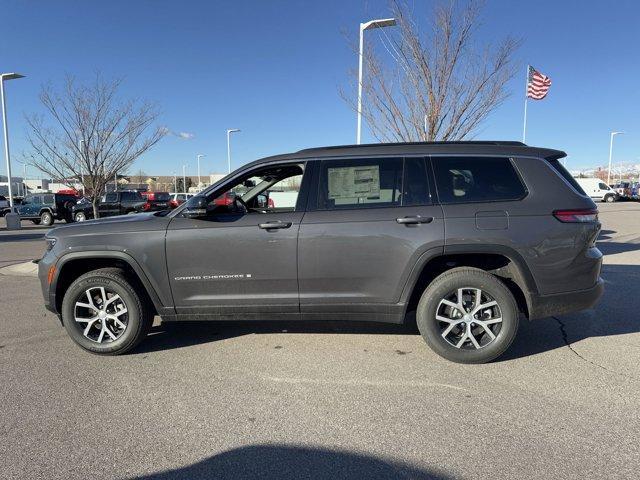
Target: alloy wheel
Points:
(469, 318)
(102, 313)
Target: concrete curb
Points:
(25, 269)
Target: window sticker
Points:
(354, 182)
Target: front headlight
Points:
(50, 243)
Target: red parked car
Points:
(156, 201)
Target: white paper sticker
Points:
(354, 182)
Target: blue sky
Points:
(273, 69)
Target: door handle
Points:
(417, 219)
(274, 225)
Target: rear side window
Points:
(372, 182)
(477, 179)
(111, 197)
(564, 173)
(49, 199)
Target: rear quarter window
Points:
(477, 179)
(564, 173)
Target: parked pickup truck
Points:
(111, 204)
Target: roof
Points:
(485, 147)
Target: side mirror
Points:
(196, 208)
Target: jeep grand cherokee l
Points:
(471, 236)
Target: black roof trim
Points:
(507, 143)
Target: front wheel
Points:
(80, 217)
(610, 198)
(467, 315)
(104, 314)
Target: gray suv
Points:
(469, 236)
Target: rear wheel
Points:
(46, 218)
(104, 314)
(467, 315)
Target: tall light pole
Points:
(613, 134)
(199, 157)
(175, 182)
(385, 22)
(11, 222)
(229, 132)
(184, 179)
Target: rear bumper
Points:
(542, 306)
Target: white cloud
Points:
(185, 135)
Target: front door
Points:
(372, 221)
(239, 259)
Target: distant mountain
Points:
(626, 170)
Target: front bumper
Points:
(542, 306)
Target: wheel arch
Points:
(503, 262)
(72, 265)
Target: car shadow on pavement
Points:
(172, 335)
(611, 248)
(615, 314)
(22, 236)
(284, 462)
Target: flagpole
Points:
(526, 97)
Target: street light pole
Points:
(613, 134)
(184, 179)
(385, 22)
(229, 132)
(199, 157)
(3, 77)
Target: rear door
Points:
(368, 223)
(109, 205)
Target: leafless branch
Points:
(90, 135)
(439, 78)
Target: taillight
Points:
(146, 206)
(576, 216)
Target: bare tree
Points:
(439, 78)
(90, 134)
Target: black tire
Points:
(80, 217)
(139, 315)
(36, 221)
(46, 218)
(609, 198)
(432, 330)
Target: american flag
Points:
(537, 85)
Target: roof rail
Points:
(506, 143)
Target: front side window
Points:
(111, 197)
(37, 200)
(266, 190)
(372, 182)
(48, 199)
(602, 186)
(476, 179)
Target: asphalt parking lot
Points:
(324, 401)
